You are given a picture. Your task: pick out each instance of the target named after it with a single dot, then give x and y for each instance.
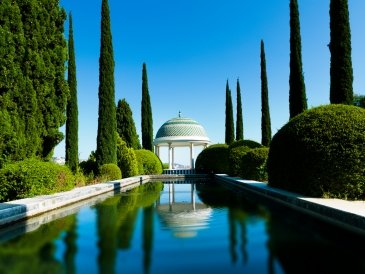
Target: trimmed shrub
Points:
(89, 167)
(110, 172)
(213, 159)
(246, 143)
(148, 161)
(320, 153)
(126, 159)
(235, 158)
(253, 164)
(33, 177)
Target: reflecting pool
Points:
(181, 227)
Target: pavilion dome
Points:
(181, 130)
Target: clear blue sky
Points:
(191, 47)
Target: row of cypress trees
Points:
(341, 73)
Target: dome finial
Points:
(179, 114)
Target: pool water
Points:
(183, 227)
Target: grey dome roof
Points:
(181, 129)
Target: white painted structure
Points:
(180, 132)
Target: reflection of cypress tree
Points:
(232, 236)
(107, 224)
(71, 247)
(147, 237)
(244, 242)
(126, 229)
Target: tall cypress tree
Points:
(265, 112)
(146, 113)
(341, 91)
(229, 138)
(72, 158)
(297, 94)
(107, 126)
(125, 125)
(44, 69)
(239, 121)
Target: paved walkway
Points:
(347, 214)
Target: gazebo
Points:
(180, 132)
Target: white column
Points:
(192, 166)
(157, 150)
(169, 151)
(173, 158)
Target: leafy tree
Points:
(297, 94)
(239, 121)
(265, 112)
(146, 112)
(125, 125)
(229, 137)
(341, 90)
(44, 69)
(72, 158)
(106, 142)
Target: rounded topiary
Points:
(235, 158)
(110, 172)
(33, 177)
(246, 143)
(321, 153)
(149, 162)
(253, 164)
(213, 159)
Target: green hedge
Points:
(253, 164)
(127, 160)
(320, 153)
(110, 172)
(213, 159)
(235, 158)
(245, 143)
(148, 161)
(33, 177)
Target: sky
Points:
(192, 47)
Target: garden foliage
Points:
(110, 172)
(32, 177)
(213, 159)
(320, 153)
(148, 161)
(127, 160)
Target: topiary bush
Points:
(235, 158)
(127, 160)
(149, 162)
(246, 143)
(213, 159)
(110, 172)
(33, 177)
(253, 164)
(320, 153)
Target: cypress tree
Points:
(341, 90)
(44, 69)
(107, 126)
(146, 113)
(265, 112)
(297, 94)
(72, 109)
(229, 138)
(125, 125)
(239, 121)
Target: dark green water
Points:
(182, 228)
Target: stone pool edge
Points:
(19, 210)
(346, 214)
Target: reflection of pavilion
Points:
(182, 217)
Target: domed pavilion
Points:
(180, 132)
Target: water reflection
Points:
(183, 216)
(191, 228)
